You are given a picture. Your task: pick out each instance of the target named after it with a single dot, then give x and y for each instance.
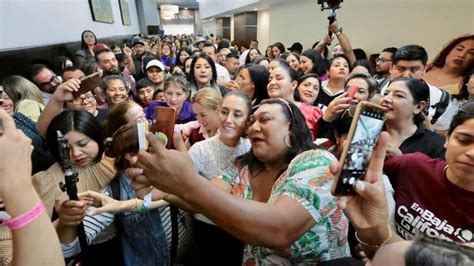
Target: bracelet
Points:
(375, 246)
(26, 218)
(146, 203)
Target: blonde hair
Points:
(208, 97)
(19, 88)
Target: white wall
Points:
(209, 8)
(263, 29)
(30, 23)
(208, 27)
(376, 24)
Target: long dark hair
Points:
(463, 92)
(319, 66)
(440, 59)
(83, 43)
(74, 120)
(259, 76)
(300, 136)
(192, 79)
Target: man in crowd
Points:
(384, 62)
(232, 64)
(410, 61)
(45, 79)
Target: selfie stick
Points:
(71, 178)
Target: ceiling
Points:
(190, 4)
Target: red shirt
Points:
(427, 202)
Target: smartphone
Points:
(88, 83)
(365, 129)
(351, 90)
(165, 118)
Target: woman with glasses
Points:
(88, 102)
(434, 196)
(26, 96)
(275, 198)
(406, 103)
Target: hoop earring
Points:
(287, 142)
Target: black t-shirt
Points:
(102, 115)
(425, 141)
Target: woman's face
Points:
(306, 64)
(245, 82)
(339, 68)
(82, 149)
(145, 95)
(175, 96)
(276, 52)
(165, 50)
(222, 57)
(253, 54)
(268, 130)
(399, 102)
(7, 104)
(293, 62)
(208, 118)
(202, 71)
(86, 102)
(268, 52)
(470, 86)
(116, 92)
(460, 152)
(362, 92)
(182, 56)
(135, 114)
(309, 90)
(462, 55)
(155, 75)
(88, 38)
(280, 84)
(233, 117)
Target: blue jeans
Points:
(143, 237)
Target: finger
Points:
(158, 146)
(133, 172)
(378, 158)
(178, 142)
(90, 194)
(334, 167)
(73, 203)
(368, 191)
(342, 202)
(7, 123)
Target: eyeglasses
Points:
(53, 81)
(467, 108)
(382, 60)
(85, 97)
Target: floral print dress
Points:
(308, 181)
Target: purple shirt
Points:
(186, 114)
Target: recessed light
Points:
(185, 8)
(255, 9)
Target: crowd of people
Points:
(257, 137)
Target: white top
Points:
(222, 73)
(445, 119)
(211, 156)
(243, 56)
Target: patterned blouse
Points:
(307, 181)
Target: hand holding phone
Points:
(164, 122)
(351, 91)
(88, 83)
(367, 122)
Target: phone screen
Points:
(368, 128)
(351, 90)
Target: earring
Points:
(286, 140)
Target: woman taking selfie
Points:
(282, 183)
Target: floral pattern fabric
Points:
(308, 181)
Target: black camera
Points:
(330, 4)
